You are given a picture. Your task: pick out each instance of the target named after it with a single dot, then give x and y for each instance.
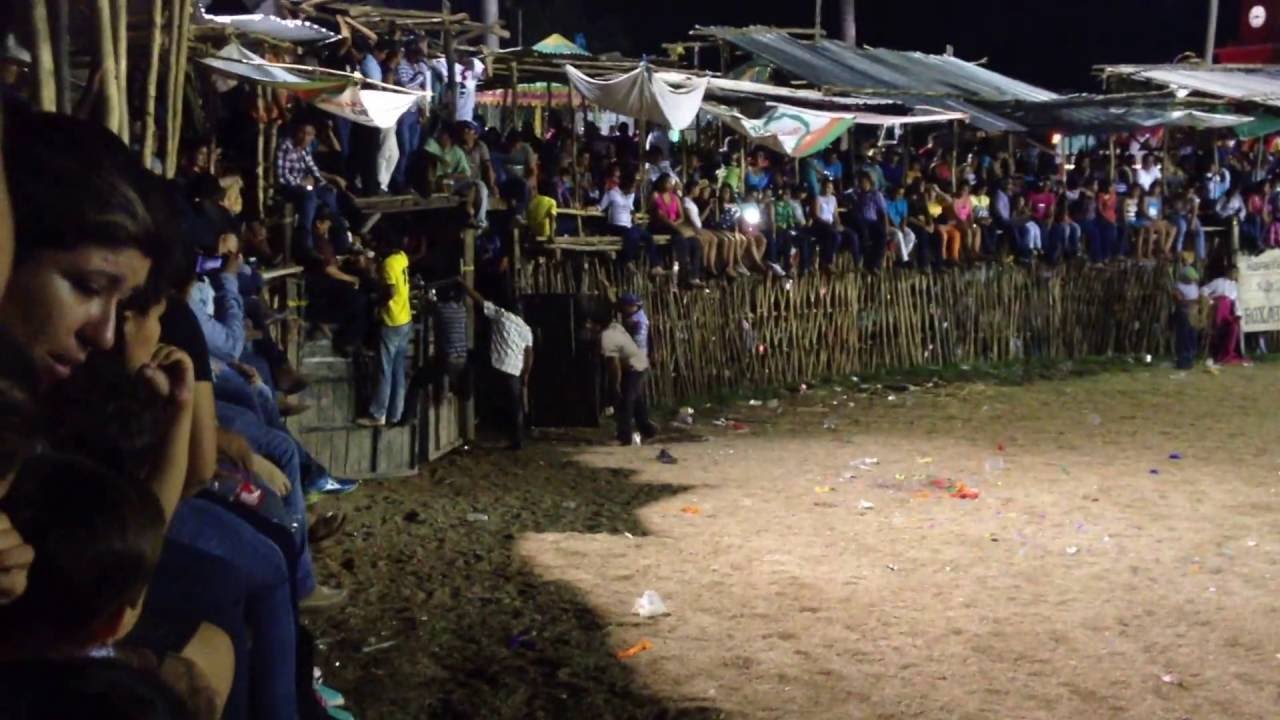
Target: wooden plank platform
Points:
(387, 204)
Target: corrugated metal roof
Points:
(1260, 84)
(938, 81)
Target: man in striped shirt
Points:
(304, 185)
(412, 73)
(511, 352)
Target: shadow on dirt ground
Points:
(445, 621)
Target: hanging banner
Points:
(800, 132)
(639, 94)
(377, 108)
(1259, 300)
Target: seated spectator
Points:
(942, 212)
(1253, 227)
(618, 207)
(751, 217)
(309, 189)
(793, 241)
(831, 233)
(920, 220)
(1029, 239)
(666, 215)
(482, 179)
(82, 687)
(963, 220)
(1063, 239)
(902, 238)
(758, 176)
(695, 210)
(731, 243)
(333, 294)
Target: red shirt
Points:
(1107, 206)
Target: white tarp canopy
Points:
(336, 92)
(800, 132)
(291, 31)
(642, 95)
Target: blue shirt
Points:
(897, 210)
(220, 309)
(637, 324)
(370, 68)
(871, 205)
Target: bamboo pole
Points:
(120, 10)
(171, 86)
(107, 61)
(955, 154)
(180, 81)
(153, 81)
(62, 54)
(46, 88)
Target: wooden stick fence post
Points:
(153, 81)
(46, 92)
(62, 54)
(120, 8)
(107, 61)
(955, 154)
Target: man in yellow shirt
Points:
(396, 317)
(540, 215)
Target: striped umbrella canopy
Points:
(557, 44)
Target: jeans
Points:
(1103, 237)
(268, 605)
(632, 407)
(798, 242)
(873, 234)
(634, 239)
(1029, 241)
(904, 240)
(1185, 338)
(513, 385)
(831, 241)
(1183, 224)
(1252, 231)
(687, 252)
(305, 203)
(283, 452)
(388, 397)
(1064, 241)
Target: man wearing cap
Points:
(635, 320)
(628, 368)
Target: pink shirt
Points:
(669, 210)
(963, 208)
(1041, 204)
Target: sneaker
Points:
(742, 269)
(329, 697)
(371, 422)
(323, 598)
(777, 270)
(291, 406)
(329, 485)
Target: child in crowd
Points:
(1188, 316)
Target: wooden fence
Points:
(765, 331)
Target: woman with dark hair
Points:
(666, 215)
(77, 260)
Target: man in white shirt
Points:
(468, 72)
(628, 368)
(511, 352)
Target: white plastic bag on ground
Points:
(649, 605)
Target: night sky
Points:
(1052, 43)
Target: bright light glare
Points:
(751, 215)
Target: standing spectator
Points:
(303, 184)
(831, 233)
(396, 317)
(511, 353)
(1186, 316)
(628, 367)
(365, 139)
(412, 73)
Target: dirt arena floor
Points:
(1119, 561)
